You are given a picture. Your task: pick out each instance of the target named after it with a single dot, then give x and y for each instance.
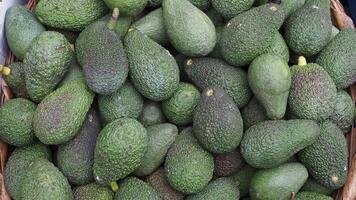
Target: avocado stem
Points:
(5, 70)
(302, 61)
(113, 20)
(114, 186)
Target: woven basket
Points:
(348, 192)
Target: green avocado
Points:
(313, 186)
(344, 111)
(151, 114)
(311, 196)
(132, 188)
(243, 177)
(127, 7)
(93, 191)
(230, 8)
(16, 80)
(228, 163)
(253, 113)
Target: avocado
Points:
(217, 122)
(16, 80)
(313, 93)
(45, 64)
(152, 25)
(215, 17)
(119, 150)
(188, 167)
(230, 8)
(271, 143)
(243, 177)
(105, 69)
(16, 117)
(253, 113)
(338, 58)
(127, 7)
(71, 36)
(126, 102)
(206, 72)
(228, 163)
(191, 35)
(179, 109)
(279, 47)
(151, 114)
(216, 53)
(221, 188)
(153, 70)
(290, 6)
(308, 30)
(93, 191)
(74, 74)
(327, 158)
(75, 158)
(122, 25)
(158, 180)
(311, 196)
(313, 186)
(201, 4)
(334, 32)
(344, 111)
(60, 115)
(70, 15)
(132, 188)
(161, 137)
(279, 182)
(43, 181)
(17, 166)
(21, 27)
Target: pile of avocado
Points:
(177, 99)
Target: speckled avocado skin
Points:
(311, 196)
(344, 111)
(133, 188)
(93, 191)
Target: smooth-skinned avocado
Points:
(271, 143)
(327, 158)
(279, 182)
(16, 117)
(270, 79)
(153, 70)
(119, 150)
(70, 15)
(191, 35)
(101, 54)
(93, 191)
(151, 114)
(16, 80)
(21, 27)
(344, 111)
(188, 167)
(230, 8)
(132, 188)
(217, 122)
(45, 63)
(127, 7)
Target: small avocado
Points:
(93, 191)
(132, 188)
(151, 114)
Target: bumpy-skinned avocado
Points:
(132, 188)
(311, 196)
(127, 7)
(151, 114)
(344, 111)
(16, 80)
(313, 186)
(253, 113)
(228, 163)
(231, 8)
(93, 191)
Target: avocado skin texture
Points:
(311, 196)
(271, 143)
(312, 94)
(179, 109)
(17, 166)
(127, 7)
(119, 150)
(230, 8)
(44, 181)
(326, 158)
(313, 186)
(308, 30)
(279, 182)
(152, 25)
(126, 102)
(191, 35)
(75, 158)
(269, 78)
(105, 69)
(93, 191)
(243, 177)
(338, 58)
(344, 111)
(215, 17)
(253, 113)
(151, 114)
(46, 62)
(201, 4)
(250, 34)
(158, 180)
(153, 70)
(122, 25)
(132, 188)
(228, 163)
(21, 27)
(290, 6)
(279, 47)
(182, 172)
(161, 137)
(59, 117)
(16, 80)
(70, 15)
(205, 72)
(216, 53)
(217, 122)
(221, 188)
(16, 122)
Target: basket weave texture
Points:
(348, 192)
